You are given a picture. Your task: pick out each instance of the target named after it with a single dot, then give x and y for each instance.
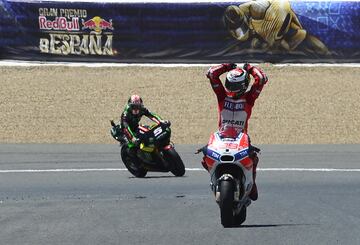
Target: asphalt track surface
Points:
(79, 194)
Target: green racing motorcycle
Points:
(156, 153)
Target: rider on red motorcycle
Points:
(235, 103)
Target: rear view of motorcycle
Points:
(155, 153)
(227, 157)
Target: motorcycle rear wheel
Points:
(226, 203)
(177, 166)
(133, 165)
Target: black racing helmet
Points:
(135, 102)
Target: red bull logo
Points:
(59, 24)
(97, 25)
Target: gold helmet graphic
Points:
(233, 17)
(235, 21)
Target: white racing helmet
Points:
(237, 82)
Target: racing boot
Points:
(254, 192)
(204, 164)
(203, 150)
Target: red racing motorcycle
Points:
(227, 157)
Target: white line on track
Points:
(312, 169)
(64, 170)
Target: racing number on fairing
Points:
(157, 132)
(231, 146)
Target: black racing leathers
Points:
(130, 123)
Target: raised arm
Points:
(214, 74)
(260, 80)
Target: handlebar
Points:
(254, 148)
(112, 123)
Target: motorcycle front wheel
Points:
(132, 164)
(226, 203)
(177, 167)
(241, 217)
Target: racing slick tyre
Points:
(132, 164)
(241, 217)
(226, 203)
(177, 166)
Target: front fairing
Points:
(230, 156)
(154, 139)
(233, 149)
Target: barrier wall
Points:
(256, 31)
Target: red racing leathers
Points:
(234, 111)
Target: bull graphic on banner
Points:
(97, 25)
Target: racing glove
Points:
(247, 67)
(230, 66)
(136, 142)
(166, 122)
